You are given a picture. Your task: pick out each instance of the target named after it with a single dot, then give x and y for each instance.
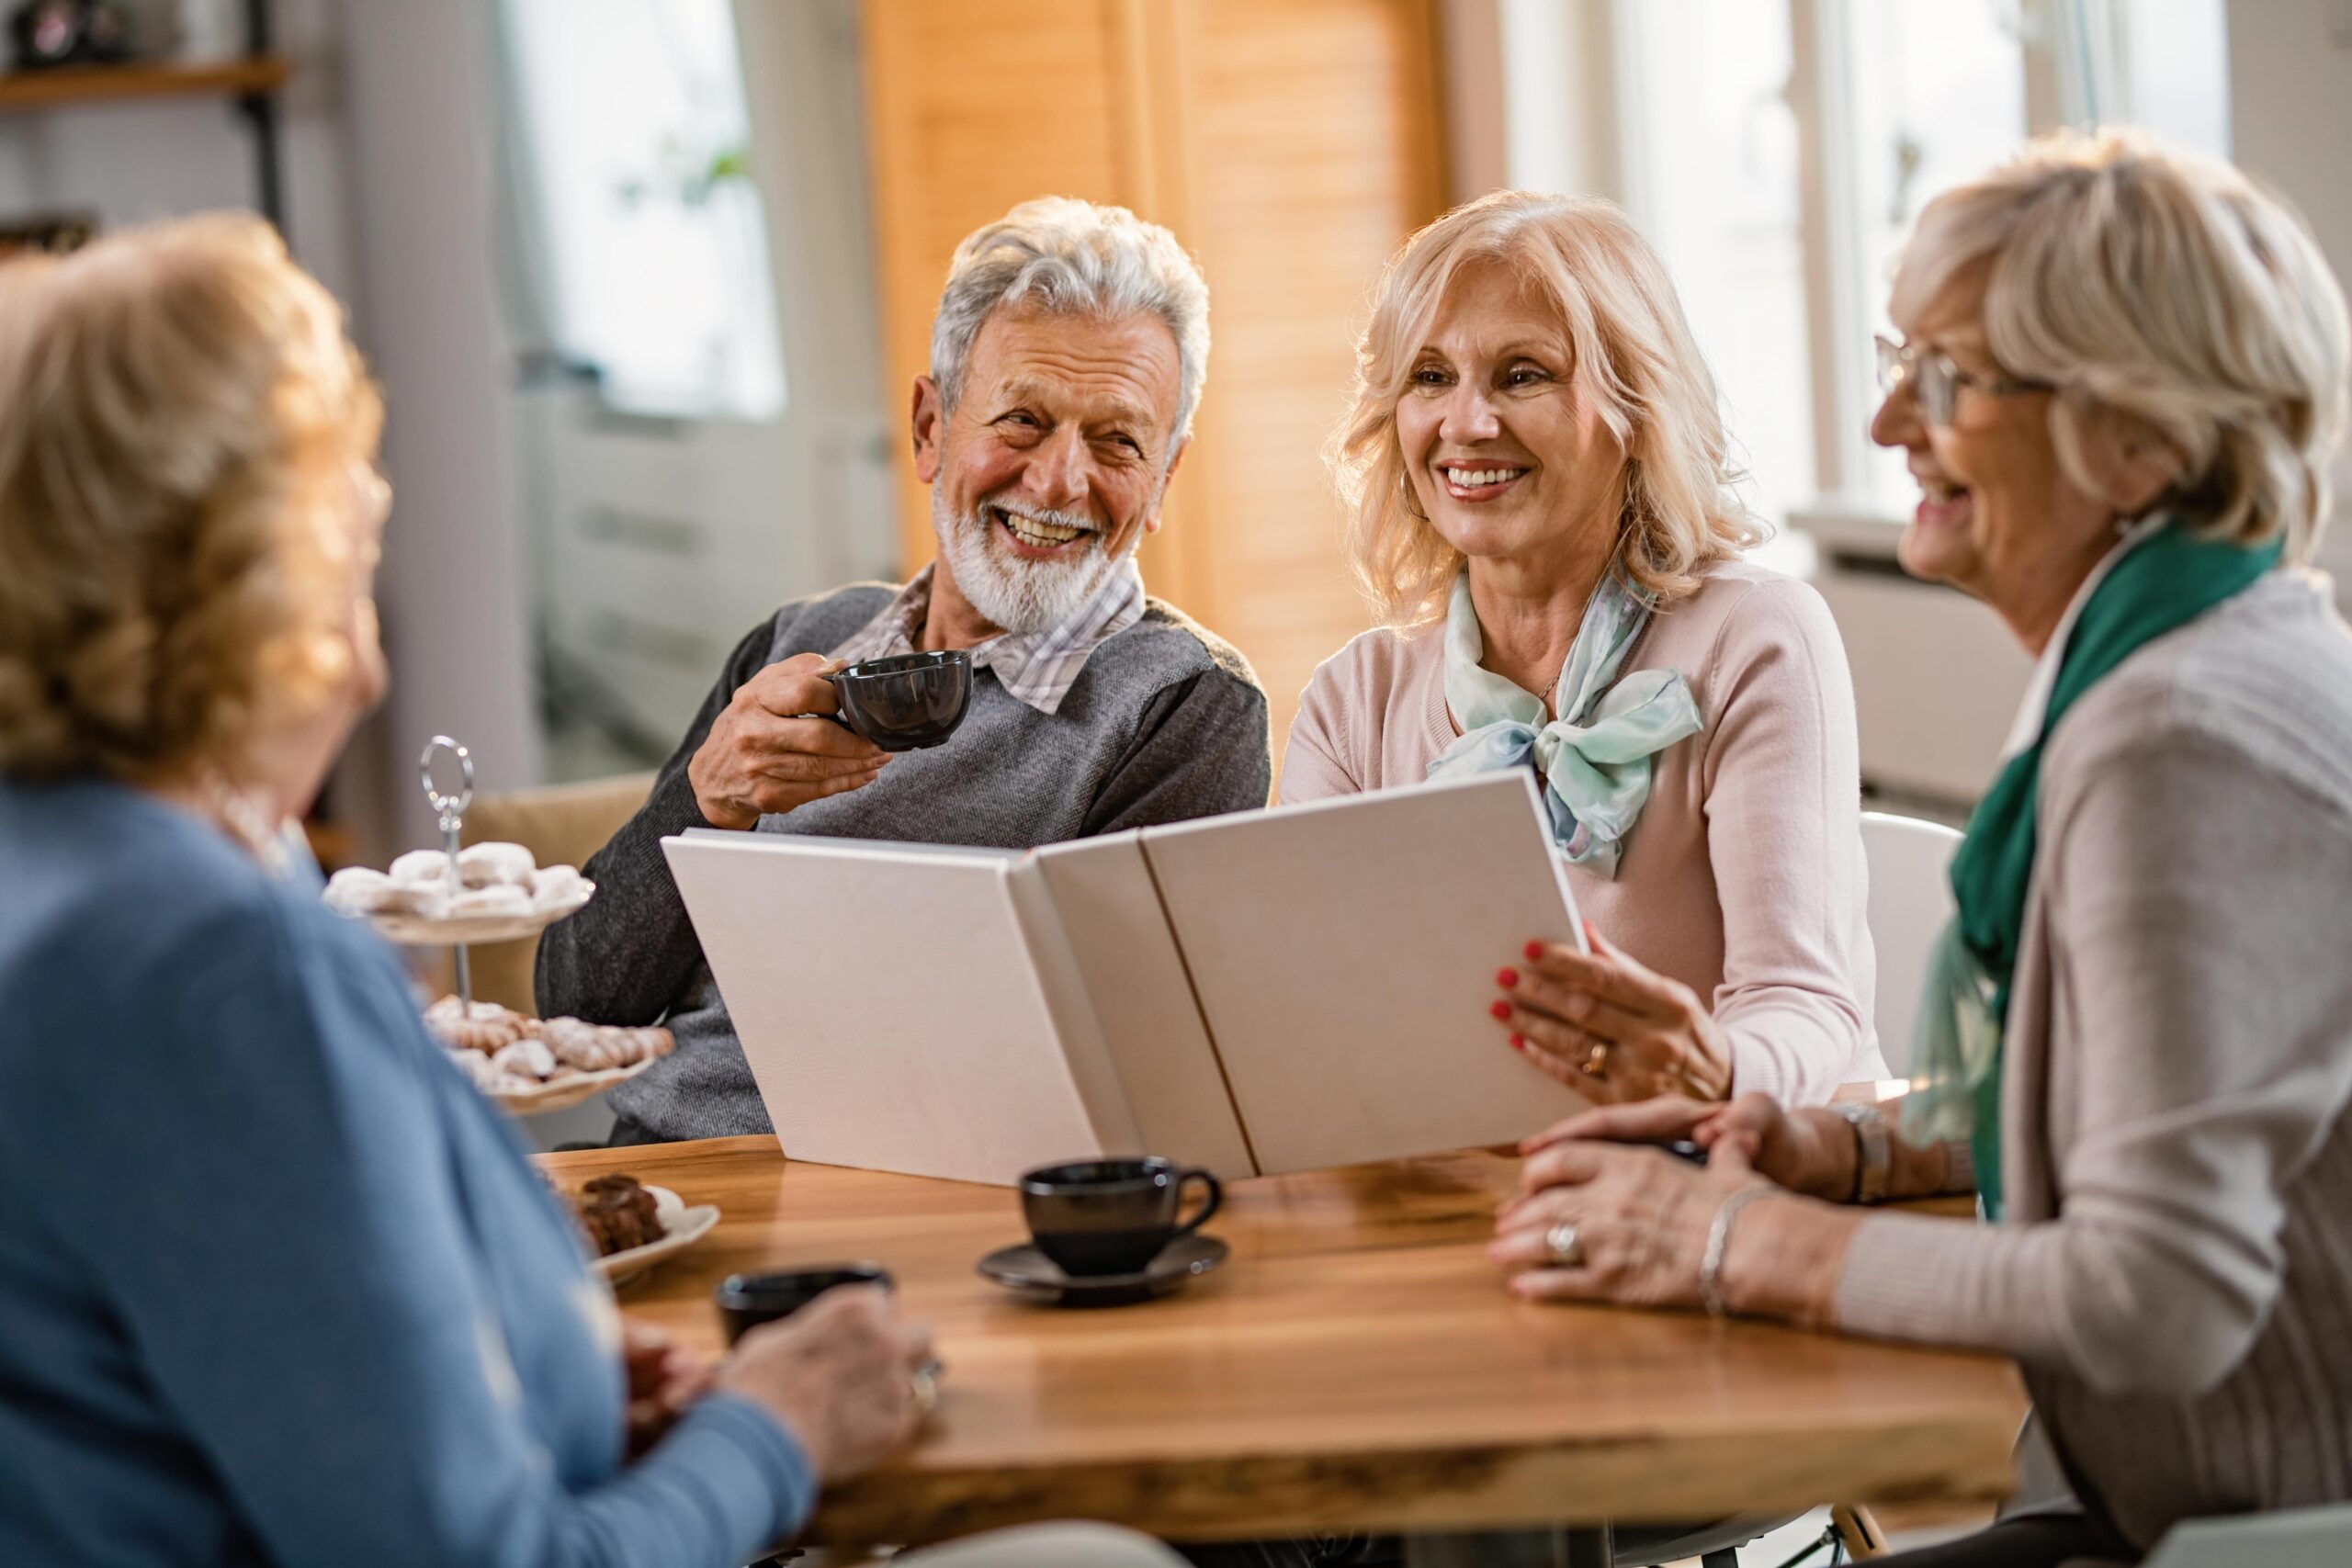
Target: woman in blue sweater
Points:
(275, 1284)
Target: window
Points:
(1777, 152)
(644, 220)
(1935, 96)
(1713, 158)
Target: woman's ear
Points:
(2146, 471)
(2133, 461)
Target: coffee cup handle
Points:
(834, 681)
(1213, 1190)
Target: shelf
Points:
(23, 91)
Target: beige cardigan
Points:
(1744, 878)
(2176, 1273)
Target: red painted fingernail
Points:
(1535, 950)
(1506, 979)
(1500, 1011)
(1518, 1042)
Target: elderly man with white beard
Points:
(1066, 356)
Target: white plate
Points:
(427, 930)
(563, 1093)
(681, 1228)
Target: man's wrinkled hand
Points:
(774, 748)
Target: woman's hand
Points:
(1807, 1151)
(1640, 1219)
(1612, 1029)
(841, 1374)
(662, 1381)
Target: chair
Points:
(560, 824)
(1910, 902)
(2293, 1538)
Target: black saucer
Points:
(1030, 1272)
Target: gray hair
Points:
(2161, 293)
(1074, 257)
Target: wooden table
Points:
(1355, 1364)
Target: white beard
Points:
(1016, 594)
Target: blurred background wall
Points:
(647, 281)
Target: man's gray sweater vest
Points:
(1165, 722)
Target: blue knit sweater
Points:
(276, 1285)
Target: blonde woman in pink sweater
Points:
(1540, 511)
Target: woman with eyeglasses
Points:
(2122, 384)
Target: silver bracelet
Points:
(1873, 1154)
(1711, 1260)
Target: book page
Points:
(1139, 1001)
(1344, 956)
(886, 1002)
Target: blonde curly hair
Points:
(1636, 359)
(2164, 295)
(180, 414)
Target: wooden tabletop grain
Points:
(1355, 1364)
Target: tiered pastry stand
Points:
(457, 934)
(460, 932)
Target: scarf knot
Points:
(1596, 757)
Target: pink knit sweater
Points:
(1744, 878)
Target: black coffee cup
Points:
(909, 702)
(746, 1301)
(1111, 1217)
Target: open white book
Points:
(1268, 991)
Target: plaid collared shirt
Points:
(1038, 668)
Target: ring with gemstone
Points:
(1596, 1064)
(1561, 1242)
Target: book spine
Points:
(1078, 1029)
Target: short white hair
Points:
(2164, 295)
(1076, 257)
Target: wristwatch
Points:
(1872, 1158)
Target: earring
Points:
(1408, 500)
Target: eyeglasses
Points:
(1935, 381)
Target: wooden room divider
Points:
(1290, 144)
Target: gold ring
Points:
(1596, 1064)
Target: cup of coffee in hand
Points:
(906, 703)
(1111, 1217)
(746, 1301)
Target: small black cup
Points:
(1110, 1216)
(906, 703)
(746, 1301)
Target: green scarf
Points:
(2158, 580)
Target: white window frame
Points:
(2074, 57)
(2072, 54)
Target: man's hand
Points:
(765, 753)
(839, 1373)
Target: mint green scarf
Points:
(2158, 580)
(1595, 758)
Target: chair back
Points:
(1910, 900)
(2291, 1537)
(560, 824)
